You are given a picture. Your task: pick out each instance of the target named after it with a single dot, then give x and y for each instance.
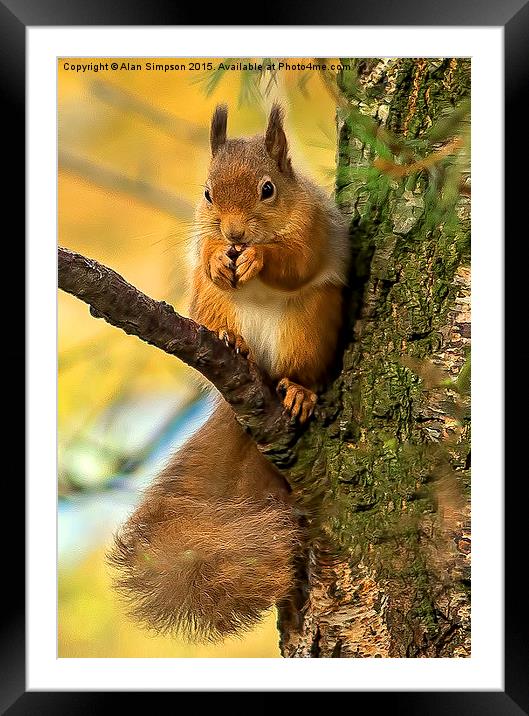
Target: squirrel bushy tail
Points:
(211, 546)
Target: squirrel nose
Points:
(233, 229)
(235, 237)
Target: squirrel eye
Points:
(208, 196)
(267, 190)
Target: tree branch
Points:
(242, 384)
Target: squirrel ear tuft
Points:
(219, 121)
(276, 141)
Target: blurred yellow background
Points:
(133, 157)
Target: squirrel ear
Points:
(217, 134)
(276, 141)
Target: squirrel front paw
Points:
(248, 264)
(220, 270)
(299, 401)
(235, 341)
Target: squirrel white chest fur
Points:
(260, 314)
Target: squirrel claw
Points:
(297, 400)
(234, 341)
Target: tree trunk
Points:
(383, 473)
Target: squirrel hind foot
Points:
(204, 570)
(297, 400)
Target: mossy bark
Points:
(383, 472)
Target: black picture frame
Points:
(15, 16)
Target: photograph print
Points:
(264, 357)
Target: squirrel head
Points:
(251, 188)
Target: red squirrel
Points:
(212, 544)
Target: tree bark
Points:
(388, 460)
